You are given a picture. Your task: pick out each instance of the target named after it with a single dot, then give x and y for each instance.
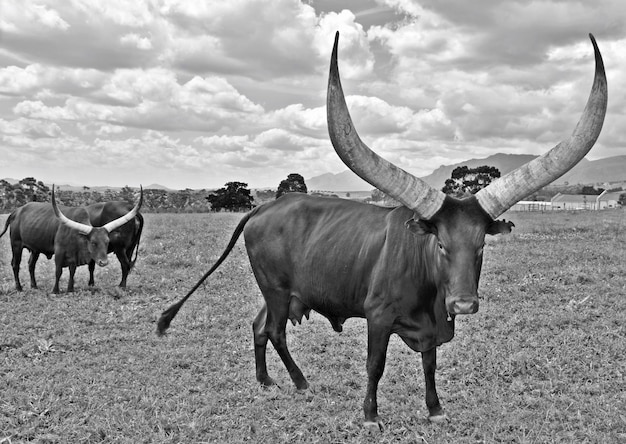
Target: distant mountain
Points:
(156, 186)
(346, 181)
(503, 162)
(610, 169)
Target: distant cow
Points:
(64, 232)
(124, 241)
(408, 270)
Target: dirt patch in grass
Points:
(542, 361)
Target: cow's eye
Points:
(441, 247)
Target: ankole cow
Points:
(408, 270)
(64, 232)
(124, 241)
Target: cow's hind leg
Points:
(15, 264)
(32, 262)
(260, 347)
(125, 264)
(57, 278)
(275, 325)
(429, 362)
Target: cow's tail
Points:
(135, 247)
(7, 223)
(168, 315)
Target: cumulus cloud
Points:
(236, 90)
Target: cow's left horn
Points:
(128, 216)
(81, 228)
(503, 193)
(411, 191)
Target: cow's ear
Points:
(421, 226)
(500, 227)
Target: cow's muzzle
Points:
(459, 306)
(103, 262)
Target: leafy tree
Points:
(127, 194)
(377, 195)
(591, 191)
(622, 199)
(293, 184)
(234, 197)
(466, 180)
(33, 190)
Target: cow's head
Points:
(97, 237)
(458, 225)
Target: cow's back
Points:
(102, 213)
(323, 250)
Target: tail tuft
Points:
(166, 319)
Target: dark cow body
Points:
(409, 270)
(124, 241)
(346, 259)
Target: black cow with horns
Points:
(123, 241)
(408, 270)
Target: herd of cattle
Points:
(75, 236)
(408, 270)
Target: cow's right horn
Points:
(81, 228)
(411, 191)
(114, 224)
(503, 193)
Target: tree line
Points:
(235, 196)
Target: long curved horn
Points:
(81, 228)
(127, 217)
(503, 193)
(411, 191)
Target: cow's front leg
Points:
(429, 362)
(377, 342)
(92, 268)
(70, 282)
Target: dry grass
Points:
(542, 361)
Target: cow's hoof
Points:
(302, 385)
(266, 381)
(373, 426)
(439, 419)
(307, 394)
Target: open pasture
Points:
(544, 359)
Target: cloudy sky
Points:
(197, 93)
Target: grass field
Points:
(544, 360)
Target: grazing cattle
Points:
(408, 270)
(122, 241)
(64, 232)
